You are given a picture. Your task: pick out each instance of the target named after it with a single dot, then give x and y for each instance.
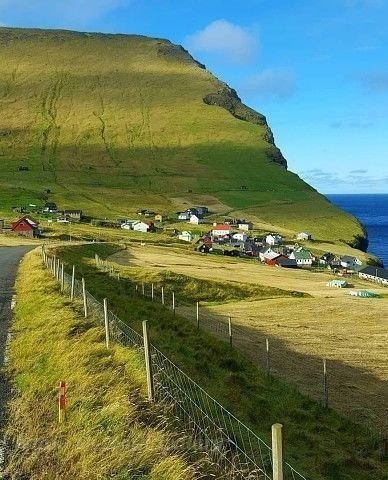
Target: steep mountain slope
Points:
(109, 123)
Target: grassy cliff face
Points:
(111, 123)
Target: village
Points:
(231, 237)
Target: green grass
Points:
(113, 123)
(110, 430)
(319, 442)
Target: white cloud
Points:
(272, 82)
(354, 180)
(233, 42)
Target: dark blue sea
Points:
(372, 211)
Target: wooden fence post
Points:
(106, 321)
(84, 298)
(277, 452)
(54, 266)
(148, 362)
(267, 362)
(96, 259)
(142, 289)
(62, 277)
(173, 302)
(152, 291)
(72, 284)
(325, 385)
(62, 401)
(58, 269)
(230, 331)
(162, 295)
(197, 314)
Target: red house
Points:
(272, 257)
(25, 226)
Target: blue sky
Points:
(318, 69)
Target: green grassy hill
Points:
(112, 123)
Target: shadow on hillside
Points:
(354, 392)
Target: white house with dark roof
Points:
(352, 263)
(272, 239)
(304, 236)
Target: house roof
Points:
(302, 255)
(375, 272)
(348, 258)
(272, 255)
(221, 226)
(285, 261)
(32, 223)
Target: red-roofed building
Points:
(221, 230)
(25, 226)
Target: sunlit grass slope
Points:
(111, 123)
(110, 430)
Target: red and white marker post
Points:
(62, 401)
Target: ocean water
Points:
(372, 211)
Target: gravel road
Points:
(9, 262)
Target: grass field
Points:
(114, 123)
(350, 332)
(312, 431)
(110, 430)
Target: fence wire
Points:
(234, 447)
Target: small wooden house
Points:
(304, 236)
(25, 226)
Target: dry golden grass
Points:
(352, 333)
(220, 268)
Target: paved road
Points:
(9, 262)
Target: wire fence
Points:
(235, 448)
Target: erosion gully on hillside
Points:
(9, 261)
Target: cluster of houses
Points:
(63, 216)
(138, 226)
(193, 215)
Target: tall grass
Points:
(110, 431)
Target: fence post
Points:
(106, 321)
(72, 284)
(173, 302)
(268, 366)
(142, 289)
(197, 314)
(84, 298)
(62, 277)
(61, 401)
(136, 287)
(54, 266)
(148, 362)
(230, 331)
(96, 259)
(277, 452)
(152, 291)
(325, 385)
(162, 295)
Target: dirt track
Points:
(9, 261)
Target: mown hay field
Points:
(351, 333)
